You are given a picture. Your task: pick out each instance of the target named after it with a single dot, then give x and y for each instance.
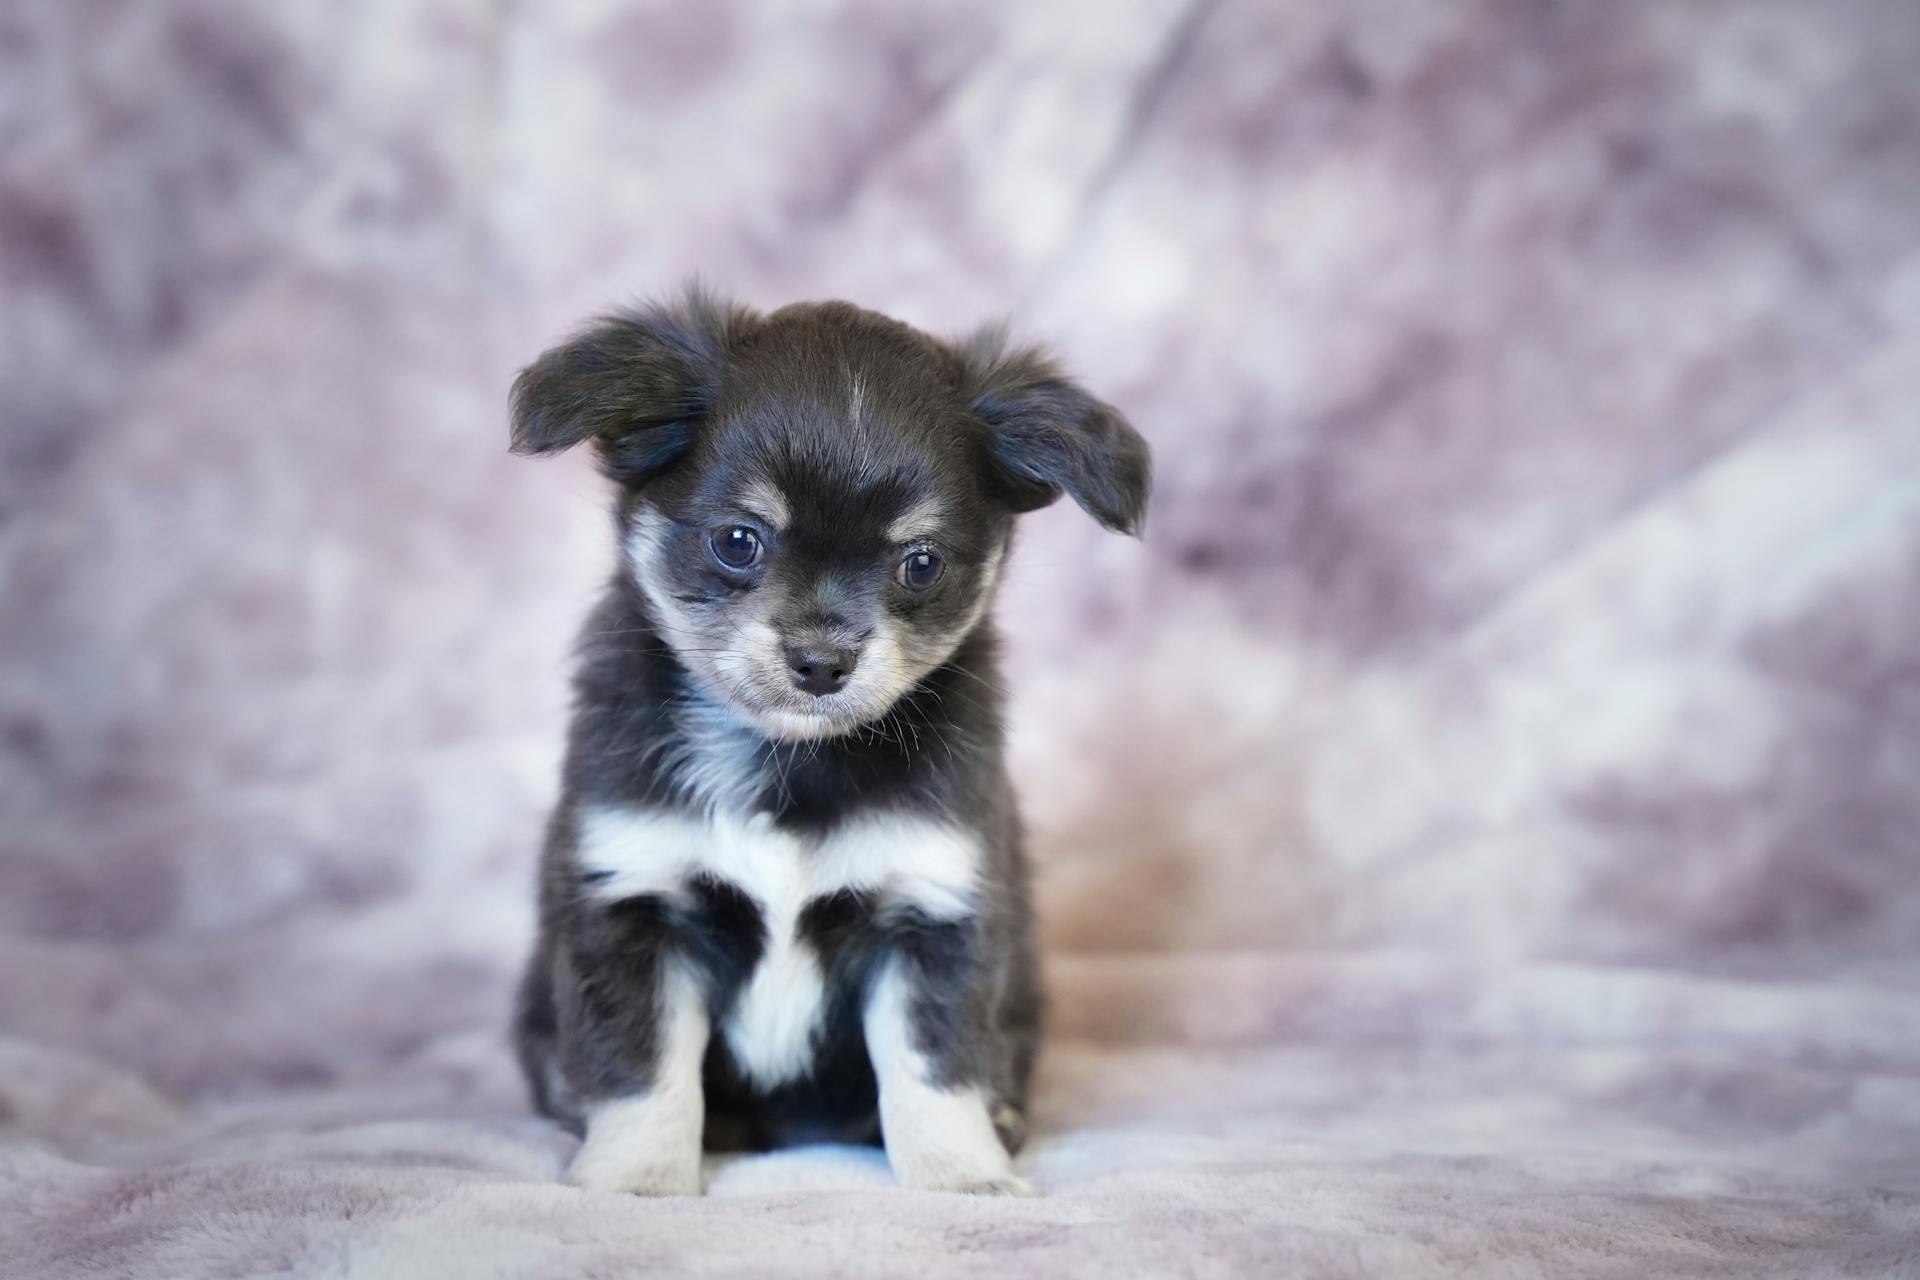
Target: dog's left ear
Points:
(1049, 435)
(636, 383)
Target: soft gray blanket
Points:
(1479, 828)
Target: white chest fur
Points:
(770, 1027)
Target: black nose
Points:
(820, 670)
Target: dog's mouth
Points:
(804, 718)
(789, 715)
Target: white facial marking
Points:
(880, 677)
(903, 861)
(937, 1139)
(856, 400)
(643, 541)
(649, 1144)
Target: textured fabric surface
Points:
(1479, 828)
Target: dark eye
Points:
(736, 548)
(920, 570)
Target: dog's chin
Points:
(802, 725)
(810, 719)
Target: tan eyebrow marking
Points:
(921, 520)
(765, 500)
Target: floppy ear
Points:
(633, 382)
(1049, 435)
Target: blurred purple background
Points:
(1524, 654)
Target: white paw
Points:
(645, 1145)
(966, 1179)
(931, 1160)
(943, 1140)
(1009, 1185)
(644, 1175)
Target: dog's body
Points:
(784, 896)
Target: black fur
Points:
(853, 420)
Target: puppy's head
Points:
(816, 503)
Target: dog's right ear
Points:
(635, 383)
(1050, 436)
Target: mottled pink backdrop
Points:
(1479, 828)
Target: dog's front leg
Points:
(645, 1107)
(934, 1109)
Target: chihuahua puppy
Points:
(783, 896)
